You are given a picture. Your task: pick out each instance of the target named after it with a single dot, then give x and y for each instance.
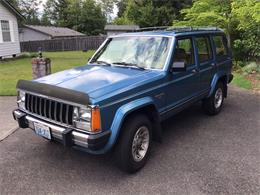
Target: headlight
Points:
(87, 118)
(85, 114)
(21, 99)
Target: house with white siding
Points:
(9, 35)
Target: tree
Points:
(208, 13)
(173, 7)
(240, 20)
(91, 20)
(56, 12)
(121, 5)
(141, 13)
(147, 13)
(248, 14)
(29, 9)
(84, 16)
(49, 16)
(14, 3)
(107, 7)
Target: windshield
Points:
(145, 52)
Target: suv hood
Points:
(98, 81)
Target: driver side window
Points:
(184, 52)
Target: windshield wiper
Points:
(129, 64)
(101, 62)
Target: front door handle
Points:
(213, 64)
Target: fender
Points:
(215, 81)
(120, 115)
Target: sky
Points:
(41, 6)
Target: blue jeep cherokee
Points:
(131, 84)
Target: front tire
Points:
(214, 103)
(134, 143)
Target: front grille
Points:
(49, 109)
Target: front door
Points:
(183, 86)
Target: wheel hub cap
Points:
(218, 98)
(140, 143)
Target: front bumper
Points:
(67, 136)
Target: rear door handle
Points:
(213, 64)
(195, 71)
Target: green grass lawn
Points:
(240, 81)
(14, 69)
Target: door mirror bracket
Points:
(178, 66)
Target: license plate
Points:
(42, 130)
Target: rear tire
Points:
(134, 144)
(214, 103)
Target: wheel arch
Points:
(151, 112)
(144, 106)
(219, 77)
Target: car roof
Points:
(172, 32)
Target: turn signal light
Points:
(95, 119)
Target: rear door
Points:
(205, 60)
(223, 59)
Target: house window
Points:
(6, 33)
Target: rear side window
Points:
(184, 51)
(221, 46)
(204, 49)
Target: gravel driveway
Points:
(199, 155)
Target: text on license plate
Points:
(42, 130)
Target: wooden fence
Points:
(66, 44)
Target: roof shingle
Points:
(55, 31)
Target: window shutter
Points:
(11, 24)
(1, 35)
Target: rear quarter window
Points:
(220, 46)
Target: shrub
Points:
(27, 55)
(252, 67)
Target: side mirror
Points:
(178, 67)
